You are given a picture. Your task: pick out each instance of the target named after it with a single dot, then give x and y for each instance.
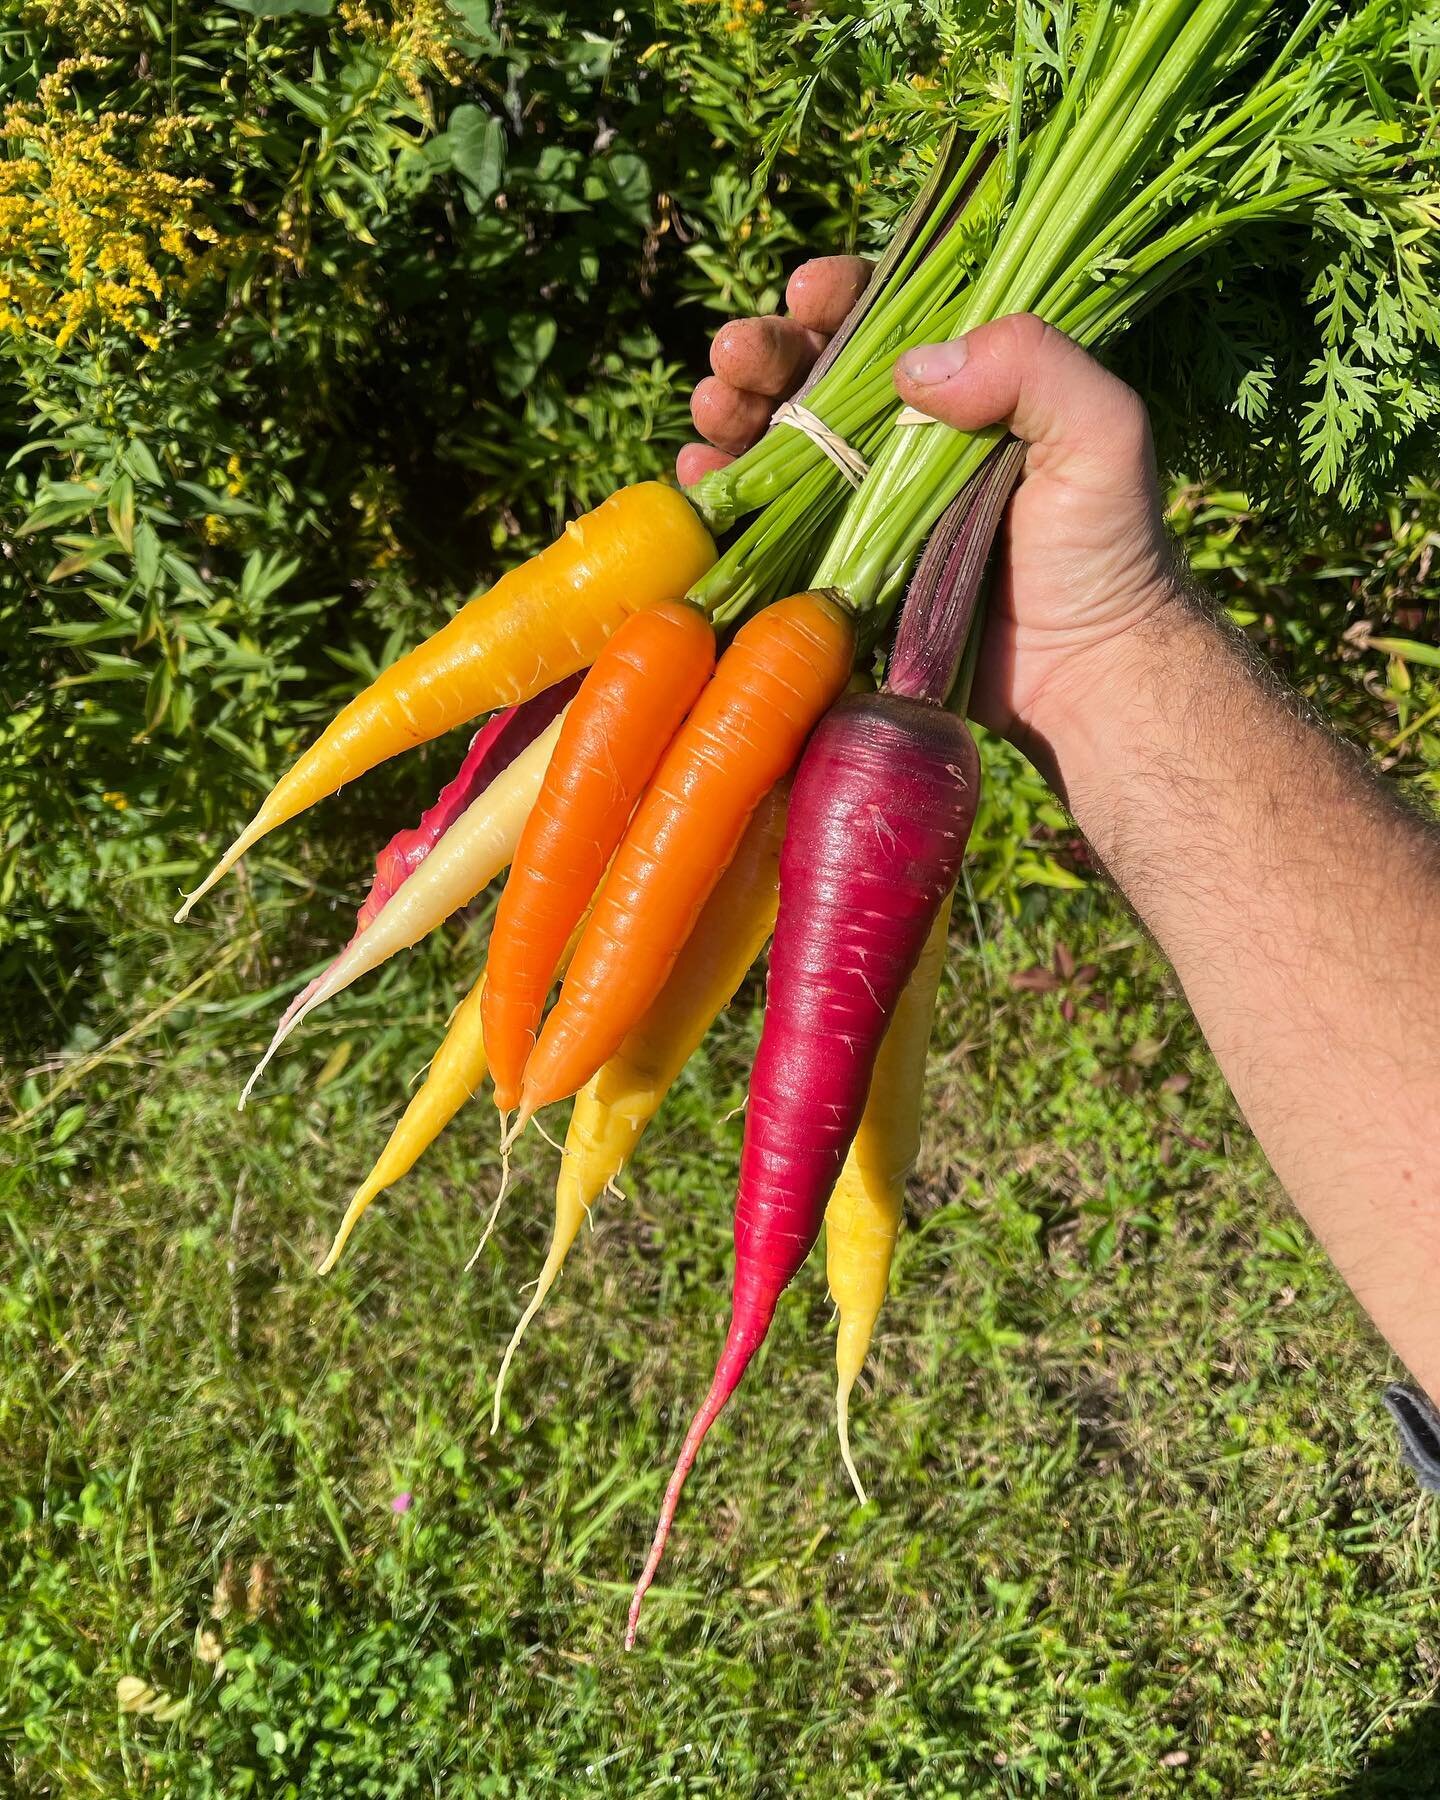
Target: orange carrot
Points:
(784, 669)
(629, 707)
(539, 623)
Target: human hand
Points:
(1084, 555)
(758, 363)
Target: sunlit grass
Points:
(1138, 1525)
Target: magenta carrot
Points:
(879, 815)
(880, 812)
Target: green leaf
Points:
(142, 463)
(1044, 871)
(82, 558)
(147, 554)
(120, 511)
(283, 9)
(306, 102)
(475, 16)
(1427, 655)
(626, 178)
(532, 338)
(476, 142)
(67, 1124)
(157, 698)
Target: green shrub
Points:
(315, 313)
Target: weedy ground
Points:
(1138, 1525)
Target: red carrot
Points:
(882, 805)
(493, 748)
(497, 743)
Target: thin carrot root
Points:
(734, 1360)
(508, 1136)
(362, 1198)
(554, 1260)
(252, 834)
(291, 1012)
(494, 1210)
(703, 1420)
(299, 1008)
(547, 1137)
(842, 1421)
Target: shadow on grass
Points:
(1408, 1766)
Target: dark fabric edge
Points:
(1418, 1422)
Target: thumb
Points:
(1082, 423)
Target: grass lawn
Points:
(1138, 1524)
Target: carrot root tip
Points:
(842, 1421)
(255, 1074)
(359, 1201)
(508, 1134)
(304, 1003)
(733, 1362)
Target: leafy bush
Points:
(307, 322)
(314, 313)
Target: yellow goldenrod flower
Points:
(415, 37)
(93, 230)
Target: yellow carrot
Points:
(612, 1111)
(456, 1071)
(454, 1076)
(862, 1220)
(539, 623)
(470, 855)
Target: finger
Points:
(729, 417)
(764, 356)
(1082, 423)
(823, 290)
(696, 461)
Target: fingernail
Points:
(930, 364)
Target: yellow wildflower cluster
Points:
(743, 13)
(87, 212)
(98, 24)
(739, 15)
(416, 38)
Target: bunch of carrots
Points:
(686, 756)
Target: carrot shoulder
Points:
(784, 669)
(539, 623)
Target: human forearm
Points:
(1300, 906)
(1294, 897)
